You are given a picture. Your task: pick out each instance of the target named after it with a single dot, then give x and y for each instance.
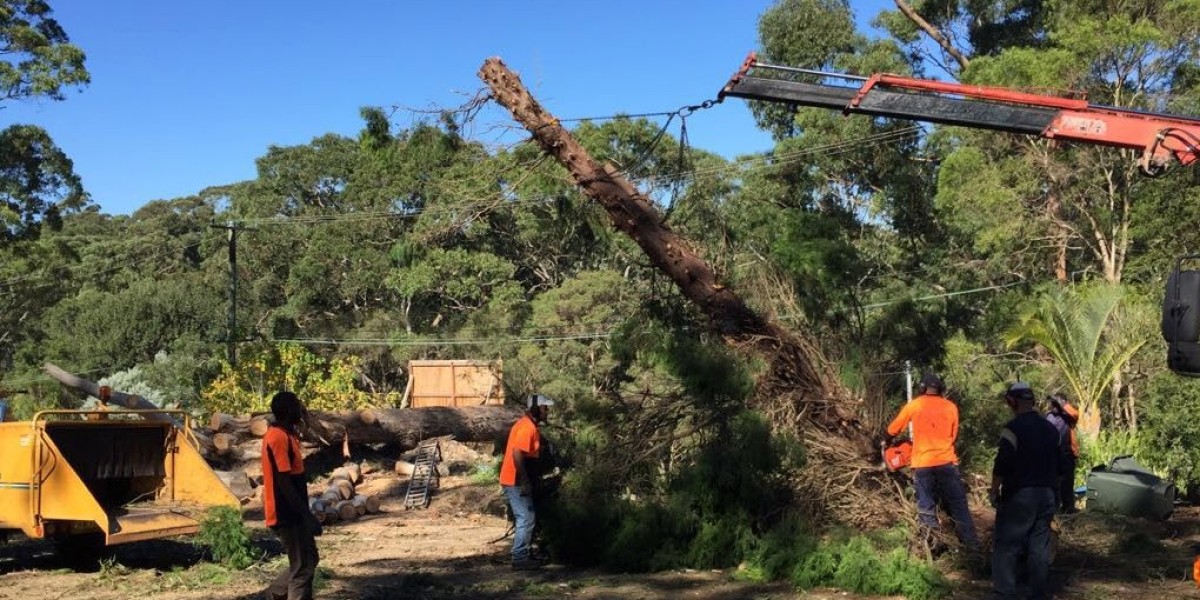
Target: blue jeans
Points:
(1023, 524)
(944, 482)
(522, 508)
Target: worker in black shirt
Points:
(1023, 482)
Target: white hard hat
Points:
(540, 400)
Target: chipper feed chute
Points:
(114, 475)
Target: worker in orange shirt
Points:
(1063, 416)
(285, 500)
(517, 477)
(934, 422)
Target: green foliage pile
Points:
(708, 514)
(226, 538)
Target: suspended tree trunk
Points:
(798, 390)
(934, 33)
(92, 389)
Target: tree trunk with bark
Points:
(401, 426)
(798, 390)
(92, 389)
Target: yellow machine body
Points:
(68, 473)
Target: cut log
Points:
(238, 483)
(204, 445)
(373, 503)
(91, 388)
(331, 497)
(360, 504)
(404, 427)
(317, 506)
(242, 453)
(367, 468)
(331, 514)
(350, 472)
(258, 426)
(344, 488)
(223, 442)
(346, 510)
(404, 468)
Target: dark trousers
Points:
(1066, 484)
(1023, 525)
(944, 483)
(295, 583)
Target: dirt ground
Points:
(450, 550)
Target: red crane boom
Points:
(1162, 139)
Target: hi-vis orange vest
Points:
(935, 428)
(1073, 413)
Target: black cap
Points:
(1019, 390)
(931, 380)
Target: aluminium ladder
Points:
(425, 474)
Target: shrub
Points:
(1170, 425)
(865, 565)
(226, 538)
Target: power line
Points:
(596, 335)
(751, 165)
(944, 295)
(370, 216)
(6, 287)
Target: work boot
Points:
(526, 564)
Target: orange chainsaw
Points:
(896, 455)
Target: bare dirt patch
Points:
(450, 550)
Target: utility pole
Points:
(908, 378)
(908, 386)
(231, 333)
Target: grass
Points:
(485, 474)
(201, 576)
(543, 590)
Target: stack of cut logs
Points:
(339, 502)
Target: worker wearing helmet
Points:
(1024, 478)
(1063, 416)
(936, 477)
(516, 477)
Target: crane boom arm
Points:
(1161, 138)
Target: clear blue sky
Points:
(186, 95)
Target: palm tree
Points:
(1077, 329)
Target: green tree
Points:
(1075, 329)
(38, 184)
(38, 58)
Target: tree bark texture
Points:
(401, 426)
(793, 368)
(92, 389)
(798, 390)
(934, 33)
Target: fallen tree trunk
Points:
(402, 426)
(91, 388)
(798, 390)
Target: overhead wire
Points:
(12, 287)
(768, 161)
(595, 335)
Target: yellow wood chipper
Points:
(89, 479)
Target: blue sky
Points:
(186, 95)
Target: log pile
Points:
(340, 500)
